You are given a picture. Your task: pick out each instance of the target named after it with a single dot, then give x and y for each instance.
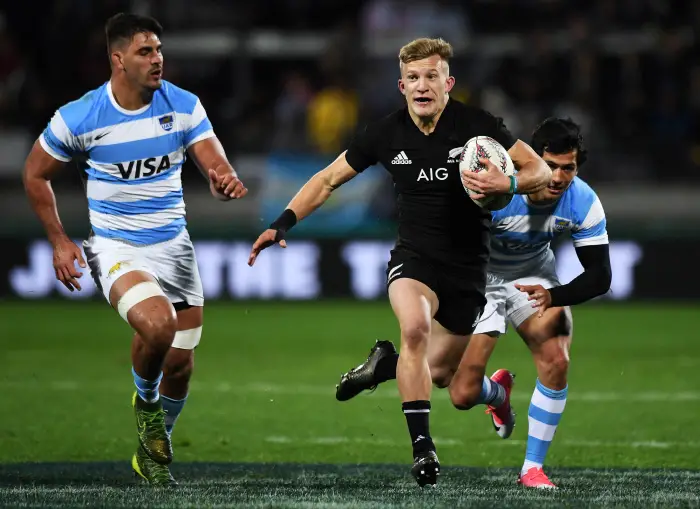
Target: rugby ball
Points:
(483, 146)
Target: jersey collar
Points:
(114, 102)
(445, 128)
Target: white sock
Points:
(528, 465)
(544, 414)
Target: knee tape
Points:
(187, 339)
(137, 293)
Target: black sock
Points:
(386, 368)
(418, 419)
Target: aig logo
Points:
(429, 175)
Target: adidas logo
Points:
(401, 158)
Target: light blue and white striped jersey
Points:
(132, 159)
(521, 233)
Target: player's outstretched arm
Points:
(210, 157)
(310, 197)
(533, 173)
(39, 169)
(319, 188)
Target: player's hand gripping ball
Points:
(485, 168)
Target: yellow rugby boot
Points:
(150, 427)
(151, 472)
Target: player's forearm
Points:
(209, 154)
(315, 193)
(585, 287)
(310, 197)
(594, 281)
(43, 202)
(533, 176)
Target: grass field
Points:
(262, 427)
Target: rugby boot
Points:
(426, 468)
(150, 427)
(363, 376)
(503, 416)
(536, 478)
(149, 471)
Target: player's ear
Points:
(117, 60)
(402, 87)
(450, 83)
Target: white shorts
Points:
(172, 263)
(506, 304)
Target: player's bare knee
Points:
(552, 359)
(161, 330)
(157, 326)
(560, 365)
(466, 386)
(465, 395)
(555, 364)
(414, 335)
(441, 376)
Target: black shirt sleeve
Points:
(594, 281)
(362, 152)
(496, 129)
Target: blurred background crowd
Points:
(629, 70)
(287, 83)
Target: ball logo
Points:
(481, 153)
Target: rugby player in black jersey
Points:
(437, 273)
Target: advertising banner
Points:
(314, 269)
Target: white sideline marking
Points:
(651, 444)
(328, 390)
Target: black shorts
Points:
(460, 292)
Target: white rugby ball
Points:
(483, 146)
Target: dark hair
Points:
(558, 136)
(123, 27)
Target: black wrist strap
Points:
(284, 222)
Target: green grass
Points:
(366, 486)
(264, 393)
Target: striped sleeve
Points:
(592, 231)
(200, 127)
(58, 140)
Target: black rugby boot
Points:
(365, 376)
(426, 468)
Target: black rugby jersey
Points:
(437, 219)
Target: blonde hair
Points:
(424, 47)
